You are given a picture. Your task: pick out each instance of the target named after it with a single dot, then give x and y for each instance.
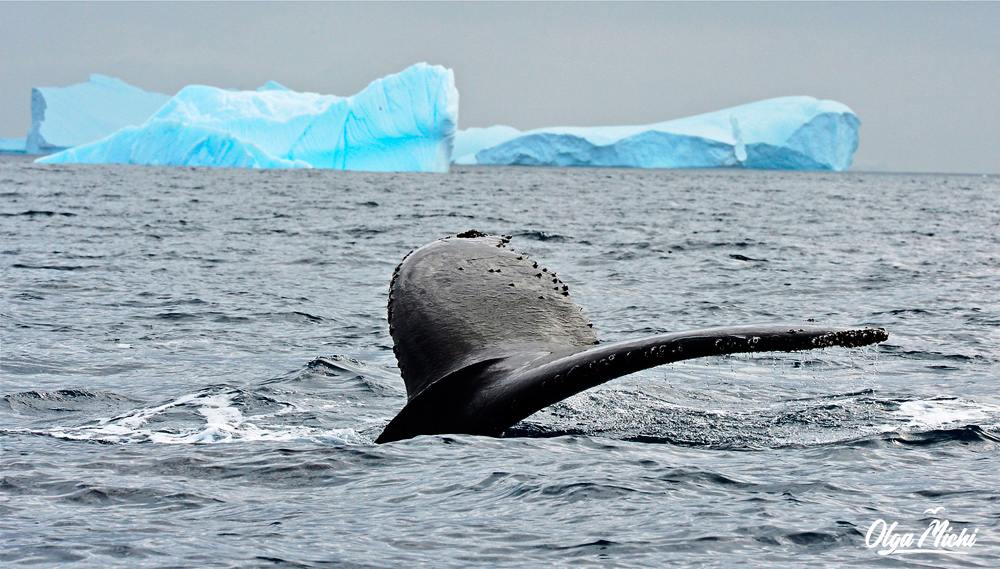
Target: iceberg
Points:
(161, 142)
(471, 140)
(63, 117)
(401, 122)
(12, 145)
(273, 86)
(788, 133)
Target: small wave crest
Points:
(542, 236)
(64, 401)
(214, 415)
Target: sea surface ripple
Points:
(195, 363)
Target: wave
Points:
(856, 418)
(330, 400)
(930, 437)
(344, 401)
(542, 236)
(64, 401)
(212, 415)
(36, 213)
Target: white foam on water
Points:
(224, 423)
(935, 413)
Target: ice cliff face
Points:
(63, 117)
(402, 122)
(793, 133)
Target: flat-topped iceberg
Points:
(12, 145)
(402, 122)
(792, 133)
(471, 140)
(63, 117)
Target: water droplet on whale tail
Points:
(478, 355)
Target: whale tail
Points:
(485, 337)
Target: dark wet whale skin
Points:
(485, 336)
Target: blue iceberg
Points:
(471, 140)
(789, 133)
(161, 142)
(402, 122)
(273, 86)
(12, 145)
(63, 117)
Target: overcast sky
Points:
(924, 78)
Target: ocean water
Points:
(195, 363)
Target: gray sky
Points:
(924, 78)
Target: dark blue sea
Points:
(195, 363)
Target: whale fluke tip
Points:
(852, 338)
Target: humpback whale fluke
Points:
(485, 336)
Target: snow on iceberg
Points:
(402, 122)
(793, 133)
(63, 117)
